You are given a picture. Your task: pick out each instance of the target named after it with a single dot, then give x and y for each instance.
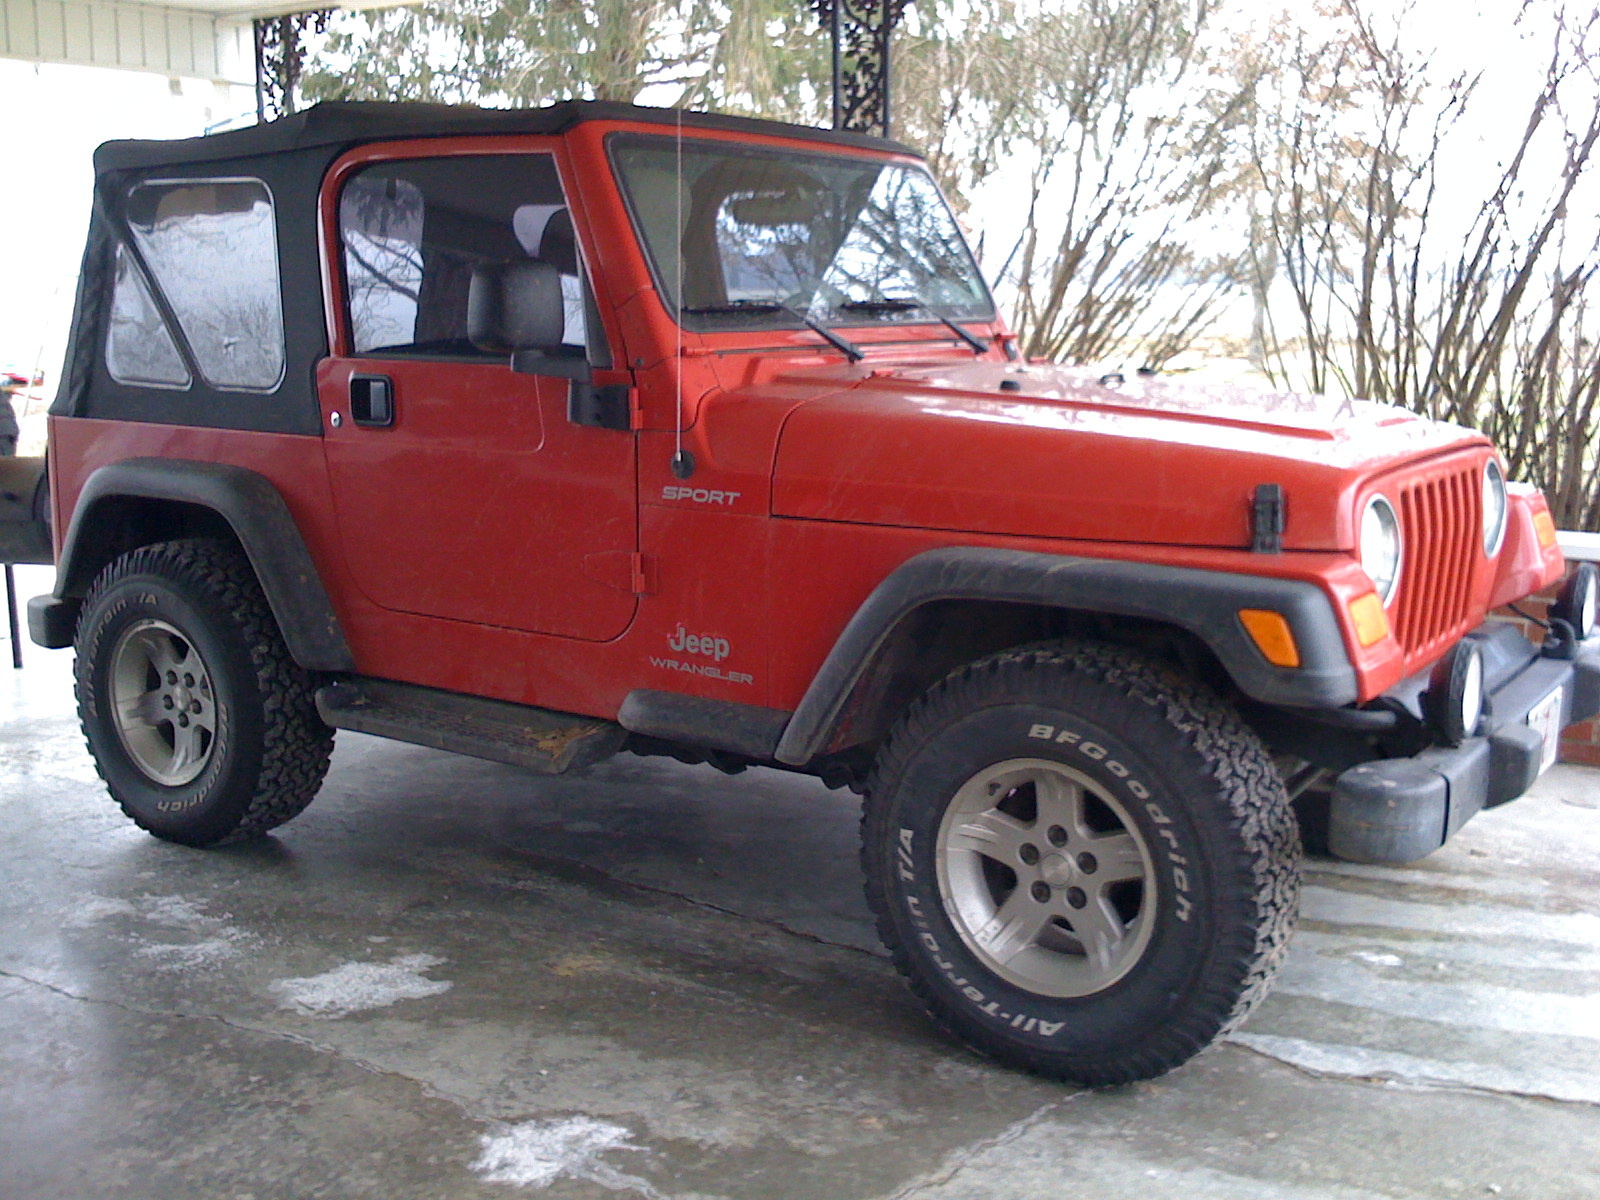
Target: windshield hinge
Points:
(1268, 517)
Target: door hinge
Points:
(606, 406)
(643, 574)
(625, 570)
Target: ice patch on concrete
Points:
(537, 1153)
(1514, 886)
(1048, 1155)
(1378, 958)
(1312, 972)
(1334, 906)
(182, 955)
(33, 753)
(176, 932)
(357, 987)
(93, 909)
(1361, 1062)
(176, 911)
(1421, 952)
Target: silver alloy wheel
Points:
(161, 702)
(1046, 877)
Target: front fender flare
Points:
(259, 518)
(1205, 603)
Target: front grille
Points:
(1443, 529)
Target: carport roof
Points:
(204, 39)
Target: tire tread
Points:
(1265, 847)
(297, 744)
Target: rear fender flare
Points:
(259, 518)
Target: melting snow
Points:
(356, 987)
(1378, 958)
(91, 909)
(164, 922)
(537, 1153)
(179, 955)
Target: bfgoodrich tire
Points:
(199, 721)
(1084, 864)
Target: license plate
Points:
(1545, 717)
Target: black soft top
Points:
(338, 123)
(291, 157)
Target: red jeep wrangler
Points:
(540, 435)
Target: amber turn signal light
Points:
(1545, 525)
(1371, 622)
(1272, 636)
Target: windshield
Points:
(768, 237)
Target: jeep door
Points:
(462, 489)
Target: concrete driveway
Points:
(455, 979)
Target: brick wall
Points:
(1581, 742)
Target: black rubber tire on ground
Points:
(975, 896)
(254, 751)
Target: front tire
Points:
(1084, 864)
(199, 721)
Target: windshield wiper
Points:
(888, 304)
(849, 349)
(735, 306)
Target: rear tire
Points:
(1084, 864)
(199, 721)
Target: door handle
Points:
(372, 400)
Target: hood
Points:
(1064, 453)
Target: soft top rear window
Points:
(211, 247)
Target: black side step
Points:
(695, 721)
(544, 741)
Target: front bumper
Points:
(1397, 810)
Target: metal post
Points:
(280, 58)
(11, 615)
(862, 31)
(884, 32)
(838, 62)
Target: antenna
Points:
(682, 460)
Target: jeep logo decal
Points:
(684, 642)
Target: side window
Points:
(139, 349)
(212, 249)
(413, 231)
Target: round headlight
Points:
(1380, 546)
(1494, 507)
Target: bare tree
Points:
(1128, 134)
(1477, 313)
